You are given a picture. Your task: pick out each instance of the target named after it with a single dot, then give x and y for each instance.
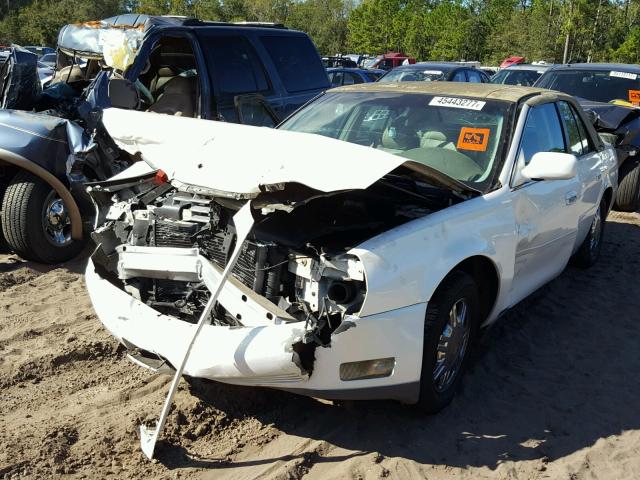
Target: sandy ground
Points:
(553, 392)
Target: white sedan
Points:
(355, 251)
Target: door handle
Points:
(570, 198)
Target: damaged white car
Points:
(370, 236)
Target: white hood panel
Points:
(239, 158)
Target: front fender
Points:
(43, 139)
(62, 191)
(405, 265)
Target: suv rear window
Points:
(236, 65)
(297, 62)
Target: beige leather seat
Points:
(397, 137)
(178, 98)
(435, 139)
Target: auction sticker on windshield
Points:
(476, 139)
(630, 76)
(634, 97)
(454, 102)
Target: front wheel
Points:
(35, 221)
(452, 320)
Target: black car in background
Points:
(610, 93)
(435, 71)
(523, 74)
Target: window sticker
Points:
(454, 102)
(634, 97)
(630, 76)
(476, 139)
(432, 72)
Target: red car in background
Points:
(513, 60)
(389, 60)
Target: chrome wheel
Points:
(452, 346)
(596, 230)
(55, 221)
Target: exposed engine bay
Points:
(296, 256)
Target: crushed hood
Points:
(247, 160)
(610, 116)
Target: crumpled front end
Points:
(288, 315)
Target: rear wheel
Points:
(452, 321)
(628, 196)
(589, 252)
(35, 221)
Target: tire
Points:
(437, 390)
(24, 207)
(4, 248)
(628, 196)
(589, 252)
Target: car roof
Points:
(489, 91)
(355, 70)
(623, 67)
(439, 65)
(528, 66)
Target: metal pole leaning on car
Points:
(243, 222)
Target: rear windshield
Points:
(413, 75)
(525, 78)
(297, 62)
(598, 86)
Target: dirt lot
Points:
(553, 392)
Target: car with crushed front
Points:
(52, 140)
(355, 251)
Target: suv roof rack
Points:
(260, 24)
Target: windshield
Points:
(412, 75)
(525, 78)
(598, 86)
(460, 137)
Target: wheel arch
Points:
(22, 163)
(484, 273)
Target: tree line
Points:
(483, 30)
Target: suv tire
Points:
(34, 221)
(628, 196)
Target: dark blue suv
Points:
(255, 74)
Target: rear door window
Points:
(574, 139)
(236, 66)
(296, 60)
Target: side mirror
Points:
(551, 166)
(123, 94)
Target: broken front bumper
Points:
(262, 352)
